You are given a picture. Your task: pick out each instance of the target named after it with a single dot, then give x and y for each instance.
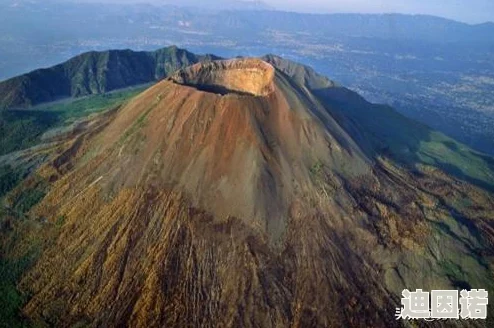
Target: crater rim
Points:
(240, 76)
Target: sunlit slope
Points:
(281, 201)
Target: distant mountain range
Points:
(93, 73)
(381, 26)
(222, 4)
(100, 72)
(225, 17)
(432, 69)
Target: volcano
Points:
(244, 193)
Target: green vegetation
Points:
(60, 220)
(21, 129)
(11, 300)
(18, 252)
(137, 125)
(93, 73)
(456, 158)
(9, 178)
(12, 264)
(317, 174)
(30, 197)
(317, 169)
(17, 255)
(71, 110)
(381, 130)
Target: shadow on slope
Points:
(382, 131)
(217, 89)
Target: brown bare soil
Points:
(229, 196)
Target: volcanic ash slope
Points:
(229, 195)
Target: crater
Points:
(236, 76)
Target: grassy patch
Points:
(456, 158)
(74, 109)
(136, 126)
(381, 131)
(25, 199)
(12, 300)
(18, 254)
(9, 178)
(60, 220)
(21, 129)
(316, 170)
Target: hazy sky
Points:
(471, 11)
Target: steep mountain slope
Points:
(248, 193)
(93, 73)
